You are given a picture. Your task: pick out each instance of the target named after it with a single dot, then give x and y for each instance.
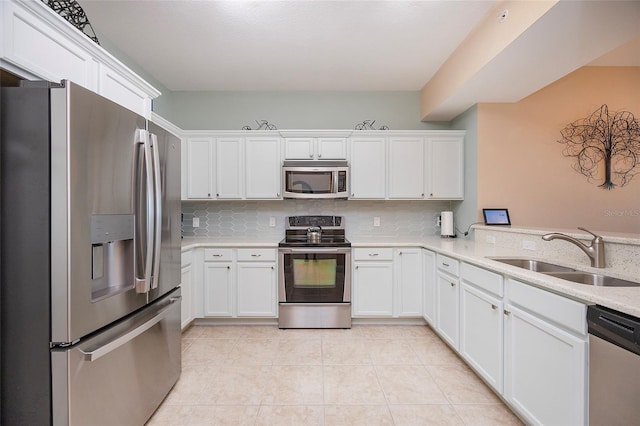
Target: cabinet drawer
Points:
(257, 255)
(481, 278)
(374, 253)
(447, 264)
(218, 255)
(565, 312)
(187, 258)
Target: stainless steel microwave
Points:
(315, 179)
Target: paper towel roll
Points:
(446, 224)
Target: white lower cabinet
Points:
(546, 354)
(481, 333)
(481, 323)
(408, 275)
(429, 289)
(256, 287)
(372, 289)
(372, 282)
(387, 282)
(218, 292)
(448, 300)
(240, 283)
(186, 284)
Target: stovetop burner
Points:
(332, 227)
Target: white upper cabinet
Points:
(406, 168)
(383, 165)
(200, 153)
(38, 44)
(229, 168)
(309, 148)
(445, 168)
(368, 167)
(263, 170)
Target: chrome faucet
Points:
(595, 249)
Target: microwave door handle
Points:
(334, 176)
(143, 282)
(155, 149)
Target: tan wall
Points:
(521, 165)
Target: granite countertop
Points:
(624, 299)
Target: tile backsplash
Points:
(246, 218)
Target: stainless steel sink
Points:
(593, 279)
(533, 265)
(566, 273)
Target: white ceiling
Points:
(365, 45)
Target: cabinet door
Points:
(200, 161)
(299, 148)
(218, 296)
(447, 311)
(230, 168)
(445, 168)
(545, 370)
(408, 274)
(373, 289)
(406, 168)
(368, 168)
(331, 148)
(256, 289)
(263, 168)
(186, 285)
(481, 336)
(429, 290)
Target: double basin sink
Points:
(566, 273)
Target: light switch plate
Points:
(376, 221)
(196, 222)
(272, 221)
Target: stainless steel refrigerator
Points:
(90, 248)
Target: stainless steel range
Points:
(314, 279)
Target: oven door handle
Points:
(316, 250)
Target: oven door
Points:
(314, 275)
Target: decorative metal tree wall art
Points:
(612, 138)
(74, 14)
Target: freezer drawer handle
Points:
(125, 338)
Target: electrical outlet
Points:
(272, 221)
(196, 222)
(528, 245)
(491, 239)
(376, 221)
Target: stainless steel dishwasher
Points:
(614, 367)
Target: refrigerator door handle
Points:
(143, 283)
(158, 210)
(114, 344)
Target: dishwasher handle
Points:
(615, 327)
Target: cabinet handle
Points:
(278, 194)
(431, 194)
(453, 284)
(319, 155)
(217, 255)
(356, 266)
(445, 264)
(256, 255)
(373, 254)
(273, 267)
(209, 195)
(507, 313)
(217, 195)
(494, 307)
(228, 267)
(399, 253)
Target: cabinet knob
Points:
(494, 307)
(356, 266)
(273, 267)
(453, 284)
(209, 195)
(217, 195)
(319, 155)
(431, 194)
(278, 194)
(507, 313)
(228, 267)
(353, 195)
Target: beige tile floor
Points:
(368, 375)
